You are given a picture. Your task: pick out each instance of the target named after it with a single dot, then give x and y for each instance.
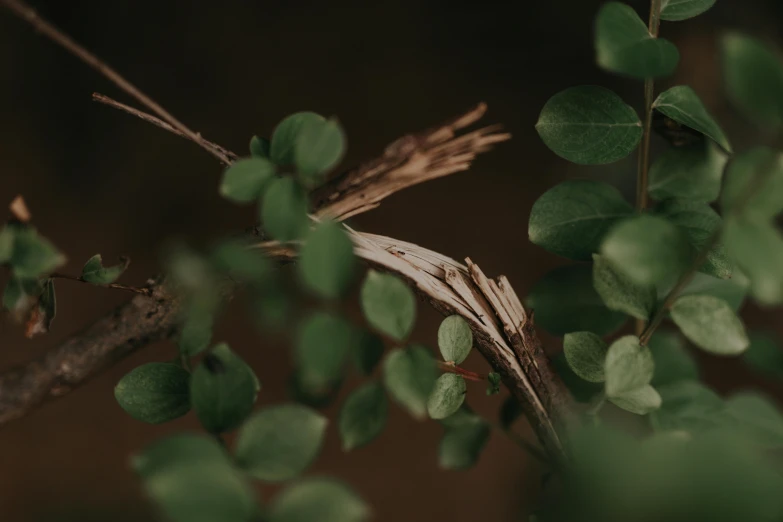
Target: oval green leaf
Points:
(462, 445)
(363, 416)
(455, 339)
(323, 344)
(677, 10)
(154, 392)
(284, 210)
(683, 105)
(326, 262)
(282, 149)
(320, 145)
(691, 172)
(754, 184)
(710, 324)
(320, 499)
(447, 396)
(585, 353)
(388, 304)
(640, 401)
(628, 366)
(757, 249)
(95, 273)
(409, 376)
(621, 293)
(244, 181)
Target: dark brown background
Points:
(99, 181)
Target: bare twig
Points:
(134, 289)
(28, 14)
(223, 154)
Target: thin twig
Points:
(467, 374)
(28, 14)
(213, 148)
(116, 286)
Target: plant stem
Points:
(467, 374)
(127, 288)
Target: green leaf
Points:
(753, 75)
(683, 105)
(40, 320)
(245, 180)
(7, 237)
(323, 345)
(565, 301)
(585, 353)
(455, 339)
(320, 145)
(640, 401)
(447, 396)
(223, 390)
(34, 256)
(327, 263)
(689, 406)
(733, 290)
(241, 261)
(284, 210)
(191, 479)
(759, 417)
(621, 293)
(699, 222)
(363, 416)
(320, 499)
(462, 444)
(757, 249)
(690, 172)
(409, 376)
(624, 45)
(21, 294)
(154, 392)
(313, 395)
(282, 149)
(754, 180)
(764, 354)
(493, 383)
(572, 218)
(388, 304)
(648, 249)
(94, 272)
(196, 333)
(582, 390)
(367, 352)
(673, 363)
(589, 125)
(260, 147)
(279, 442)
(628, 366)
(710, 324)
(677, 10)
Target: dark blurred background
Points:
(97, 180)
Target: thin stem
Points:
(28, 14)
(467, 374)
(116, 286)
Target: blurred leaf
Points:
(764, 354)
(565, 301)
(585, 353)
(624, 45)
(754, 180)
(154, 392)
(649, 250)
(260, 147)
(673, 363)
(324, 342)
(34, 256)
(677, 10)
(223, 390)
(20, 295)
(692, 172)
(309, 394)
(94, 272)
(196, 333)
(758, 417)
(733, 290)
(710, 324)
(191, 479)
(245, 180)
(493, 383)
(753, 76)
(363, 415)
(388, 304)
(320, 499)
(683, 105)
(326, 262)
(620, 293)
(757, 249)
(367, 351)
(571, 218)
(628, 366)
(7, 238)
(284, 210)
(279, 442)
(282, 149)
(42, 315)
(409, 376)
(447, 396)
(462, 445)
(699, 222)
(320, 145)
(242, 262)
(455, 339)
(640, 401)
(589, 125)
(689, 406)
